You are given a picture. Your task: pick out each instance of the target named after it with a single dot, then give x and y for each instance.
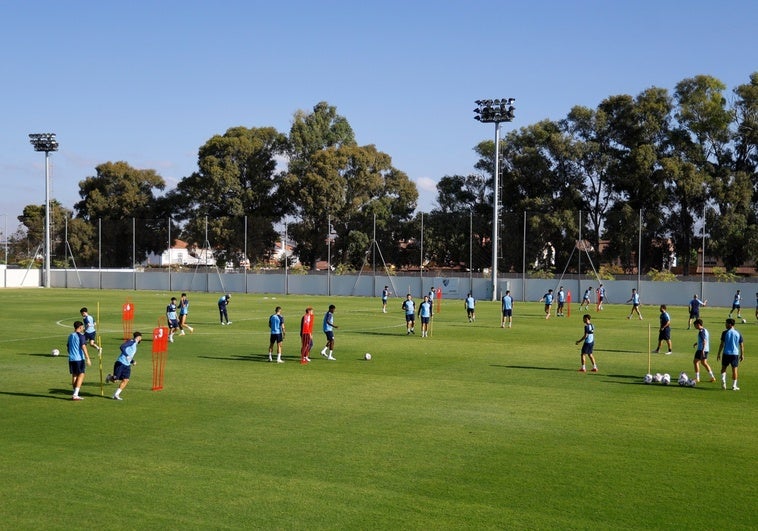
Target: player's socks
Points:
(117, 393)
(697, 376)
(76, 391)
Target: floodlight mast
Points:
(495, 111)
(46, 142)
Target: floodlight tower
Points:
(46, 142)
(495, 111)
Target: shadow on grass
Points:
(55, 394)
(258, 358)
(385, 334)
(616, 350)
(533, 368)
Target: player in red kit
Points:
(306, 335)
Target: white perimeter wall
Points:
(617, 291)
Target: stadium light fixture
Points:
(495, 111)
(46, 142)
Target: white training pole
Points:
(649, 346)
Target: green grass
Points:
(474, 428)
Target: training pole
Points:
(649, 346)
(100, 350)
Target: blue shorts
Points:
(410, 318)
(425, 320)
(665, 334)
(587, 348)
(276, 338)
(90, 336)
(121, 371)
(77, 367)
(694, 315)
(735, 307)
(173, 323)
(507, 313)
(730, 359)
(700, 355)
(329, 335)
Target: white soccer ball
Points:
(55, 352)
(367, 356)
(657, 377)
(683, 378)
(666, 379)
(648, 378)
(691, 383)
(743, 320)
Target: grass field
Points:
(476, 427)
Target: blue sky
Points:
(149, 82)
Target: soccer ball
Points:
(743, 320)
(691, 383)
(367, 356)
(648, 378)
(55, 352)
(666, 379)
(683, 379)
(657, 377)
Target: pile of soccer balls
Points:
(664, 379)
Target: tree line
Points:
(668, 164)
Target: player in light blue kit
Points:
(183, 313)
(561, 302)
(733, 348)
(585, 305)
(588, 343)
(547, 298)
(507, 306)
(172, 318)
(701, 354)
(385, 296)
(600, 298)
(223, 315)
(328, 327)
(122, 369)
(694, 308)
(409, 307)
(90, 333)
(635, 300)
(78, 358)
(470, 308)
(664, 331)
(737, 305)
(276, 325)
(425, 313)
